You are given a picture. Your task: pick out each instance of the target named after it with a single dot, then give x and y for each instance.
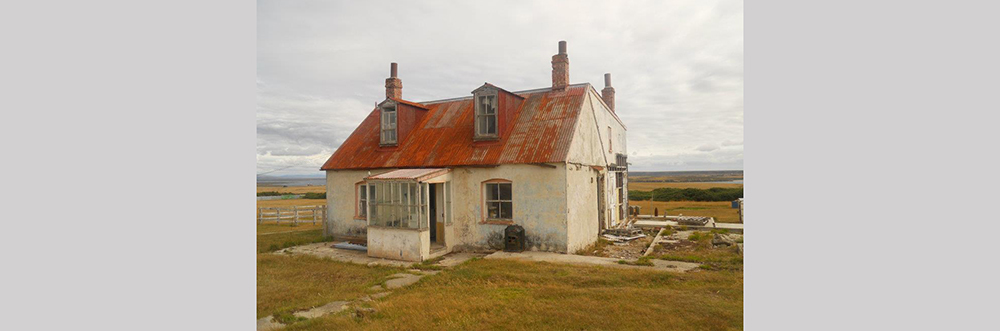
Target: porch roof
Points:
(410, 174)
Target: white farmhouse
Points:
(417, 180)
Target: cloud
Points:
(677, 69)
(707, 148)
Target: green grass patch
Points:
(428, 264)
(700, 236)
(688, 194)
(273, 242)
(313, 195)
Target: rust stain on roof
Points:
(540, 132)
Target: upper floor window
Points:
(499, 203)
(609, 140)
(388, 124)
(486, 114)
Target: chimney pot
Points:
(393, 86)
(608, 93)
(560, 68)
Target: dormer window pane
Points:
(389, 125)
(486, 115)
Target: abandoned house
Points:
(416, 180)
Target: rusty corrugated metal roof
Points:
(541, 132)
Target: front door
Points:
(432, 204)
(601, 204)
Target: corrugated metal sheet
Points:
(414, 174)
(541, 132)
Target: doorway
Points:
(601, 204)
(432, 204)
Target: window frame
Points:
(486, 219)
(383, 124)
(479, 113)
(361, 209)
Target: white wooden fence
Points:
(293, 214)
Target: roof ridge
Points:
(514, 92)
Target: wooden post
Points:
(258, 216)
(296, 210)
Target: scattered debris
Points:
(692, 220)
(652, 245)
(722, 239)
(623, 235)
(347, 245)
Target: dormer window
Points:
(388, 124)
(486, 114)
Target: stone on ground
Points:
(401, 280)
(329, 308)
(268, 323)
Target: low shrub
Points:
(688, 194)
(313, 195)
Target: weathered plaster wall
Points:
(590, 140)
(539, 205)
(590, 146)
(399, 244)
(581, 197)
(340, 200)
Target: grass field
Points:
(292, 189)
(289, 283)
(722, 211)
(511, 295)
(290, 202)
(286, 227)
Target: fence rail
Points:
(293, 214)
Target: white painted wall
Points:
(591, 146)
(399, 244)
(581, 199)
(539, 202)
(340, 200)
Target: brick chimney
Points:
(560, 68)
(393, 86)
(608, 93)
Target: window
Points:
(499, 205)
(486, 115)
(609, 140)
(620, 190)
(364, 192)
(389, 124)
(399, 205)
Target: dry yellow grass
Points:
(512, 295)
(649, 186)
(286, 227)
(292, 189)
(287, 283)
(722, 211)
(290, 202)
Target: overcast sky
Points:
(677, 68)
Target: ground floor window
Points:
(363, 191)
(499, 201)
(398, 204)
